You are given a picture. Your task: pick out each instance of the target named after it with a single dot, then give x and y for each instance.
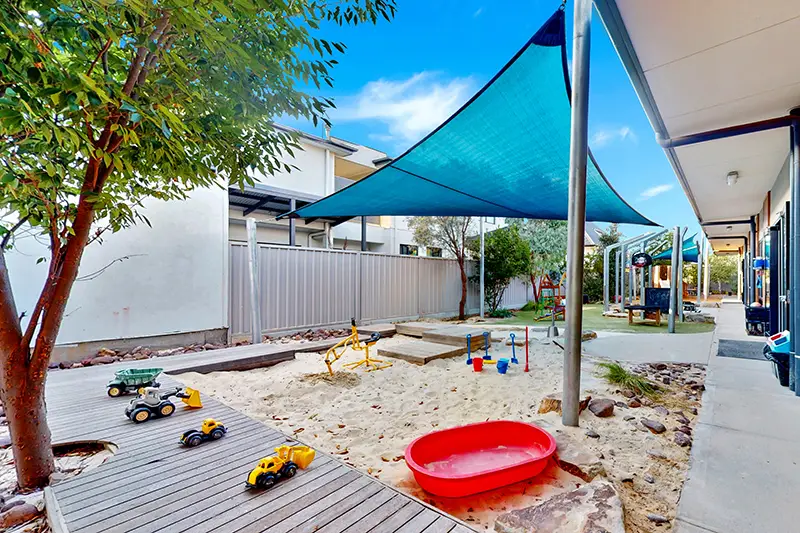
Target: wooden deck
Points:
(153, 484)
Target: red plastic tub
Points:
(475, 458)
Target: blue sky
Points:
(397, 81)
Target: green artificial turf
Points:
(593, 319)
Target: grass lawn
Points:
(593, 319)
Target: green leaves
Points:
(157, 97)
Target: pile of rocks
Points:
(107, 356)
(689, 376)
(309, 336)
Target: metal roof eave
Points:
(618, 33)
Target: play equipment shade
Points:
(504, 153)
(689, 249)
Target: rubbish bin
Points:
(780, 365)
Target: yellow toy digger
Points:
(332, 355)
(283, 465)
(153, 402)
(210, 430)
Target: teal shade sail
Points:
(690, 251)
(504, 153)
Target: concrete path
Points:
(744, 475)
(651, 347)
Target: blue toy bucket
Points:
(502, 365)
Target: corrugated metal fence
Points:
(311, 288)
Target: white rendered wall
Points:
(174, 280)
(311, 176)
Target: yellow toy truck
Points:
(283, 465)
(210, 430)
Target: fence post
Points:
(255, 292)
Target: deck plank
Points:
(153, 484)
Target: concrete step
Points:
(386, 330)
(421, 352)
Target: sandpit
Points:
(368, 419)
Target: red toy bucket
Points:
(477, 364)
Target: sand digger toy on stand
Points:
(283, 465)
(336, 351)
(154, 403)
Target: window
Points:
(409, 249)
(434, 252)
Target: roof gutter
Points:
(615, 27)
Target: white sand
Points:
(368, 419)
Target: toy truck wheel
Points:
(193, 440)
(290, 471)
(217, 434)
(265, 481)
(140, 415)
(166, 409)
(116, 390)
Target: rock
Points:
(649, 478)
(653, 425)
(10, 505)
(693, 410)
(77, 365)
(628, 418)
(660, 409)
(628, 394)
(5, 442)
(602, 407)
(633, 404)
(626, 477)
(576, 459)
(552, 402)
(682, 439)
(588, 335)
(685, 429)
(592, 508)
(53, 365)
(104, 360)
(18, 515)
(209, 346)
(656, 454)
(658, 366)
(65, 364)
(666, 380)
(105, 351)
(518, 341)
(621, 405)
(657, 518)
(592, 434)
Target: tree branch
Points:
(101, 54)
(15, 227)
(138, 62)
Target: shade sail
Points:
(689, 249)
(504, 153)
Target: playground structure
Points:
(552, 296)
(633, 277)
(335, 352)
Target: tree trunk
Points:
(462, 305)
(27, 422)
(535, 289)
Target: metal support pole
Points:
(794, 255)
(363, 234)
(699, 275)
(606, 280)
(641, 277)
(255, 290)
(680, 276)
(576, 221)
(673, 282)
(707, 269)
(483, 272)
(739, 275)
(631, 282)
(292, 224)
(753, 254)
(617, 263)
(774, 279)
(622, 288)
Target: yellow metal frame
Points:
(332, 355)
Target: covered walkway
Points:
(744, 474)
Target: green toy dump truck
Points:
(132, 379)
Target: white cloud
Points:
(605, 137)
(408, 108)
(478, 12)
(655, 191)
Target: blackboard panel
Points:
(656, 296)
